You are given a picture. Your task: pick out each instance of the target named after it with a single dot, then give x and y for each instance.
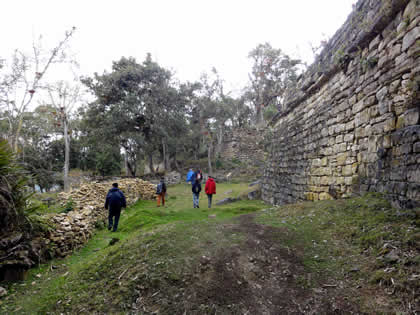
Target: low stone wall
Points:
(352, 124)
(68, 231)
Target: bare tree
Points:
(24, 79)
(63, 97)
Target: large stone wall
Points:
(352, 124)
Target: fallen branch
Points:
(122, 274)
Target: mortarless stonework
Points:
(352, 124)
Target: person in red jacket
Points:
(210, 189)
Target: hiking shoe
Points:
(109, 228)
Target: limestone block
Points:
(349, 137)
(360, 133)
(358, 106)
(341, 158)
(324, 161)
(348, 180)
(339, 180)
(411, 117)
(325, 196)
(325, 180)
(374, 43)
(316, 162)
(410, 38)
(400, 122)
(384, 106)
(339, 139)
(369, 101)
(347, 170)
(416, 147)
(399, 60)
(386, 142)
(394, 86)
(322, 171)
(350, 125)
(380, 95)
(390, 124)
(311, 196)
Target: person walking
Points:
(210, 189)
(115, 200)
(190, 176)
(196, 188)
(160, 192)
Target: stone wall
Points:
(67, 231)
(245, 146)
(352, 123)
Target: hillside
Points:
(349, 256)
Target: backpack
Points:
(159, 189)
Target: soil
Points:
(259, 276)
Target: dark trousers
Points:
(209, 197)
(113, 218)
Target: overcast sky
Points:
(187, 36)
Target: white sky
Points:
(188, 36)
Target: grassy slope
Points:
(346, 240)
(82, 282)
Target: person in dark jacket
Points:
(115, 200)
(161, 192)
(210, 189)
(196, 188)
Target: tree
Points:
(23, 81)
(137, 105)
(272, 72)
(63, 97)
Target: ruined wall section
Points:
(352, 124)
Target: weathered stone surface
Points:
(410, 38)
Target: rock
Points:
(257, 182)
(3, 292)
(212, 216)
(255, 194)
(226, 201)
(392, 256)
(113, 241)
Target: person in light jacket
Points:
(210, 189)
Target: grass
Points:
(155, 245)
(352, 240)
(347, 242)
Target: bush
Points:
(13, 192)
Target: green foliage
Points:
(69, 206)
(13, 193)
(273, 72)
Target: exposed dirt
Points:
(259, 276)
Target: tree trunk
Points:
(66, 156)
(126, 164)
(165, 158)
(209, 149)
(152, 170)
(219, 141)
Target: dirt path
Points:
(259, 276)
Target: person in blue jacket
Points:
(115, 200)
(190, 176)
